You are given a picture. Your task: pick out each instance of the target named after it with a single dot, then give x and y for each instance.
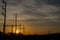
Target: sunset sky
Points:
(38, 16)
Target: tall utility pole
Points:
(15, 22)
(4, 13)
(22, 28)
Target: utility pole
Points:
(22, 28)
(15, 22)
(4, 4)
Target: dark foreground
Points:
(11, 36)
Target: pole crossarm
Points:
(4, 4)
(16, 25)
(21, 28)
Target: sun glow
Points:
(17, 31)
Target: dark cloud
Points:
(54, 2)
(49, 2)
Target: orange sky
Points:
(41, 30)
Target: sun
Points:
(17, 31)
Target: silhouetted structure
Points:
(11, 36)
(4, 4)
(4, 13)
(18, 26)
(15, 22)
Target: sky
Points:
(38, 16)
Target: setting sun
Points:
(17, 31)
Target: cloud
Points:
(54, 2)
(13, 2)
(45, 10)
(33, 7)
(42, 22)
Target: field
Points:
(11, 36)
